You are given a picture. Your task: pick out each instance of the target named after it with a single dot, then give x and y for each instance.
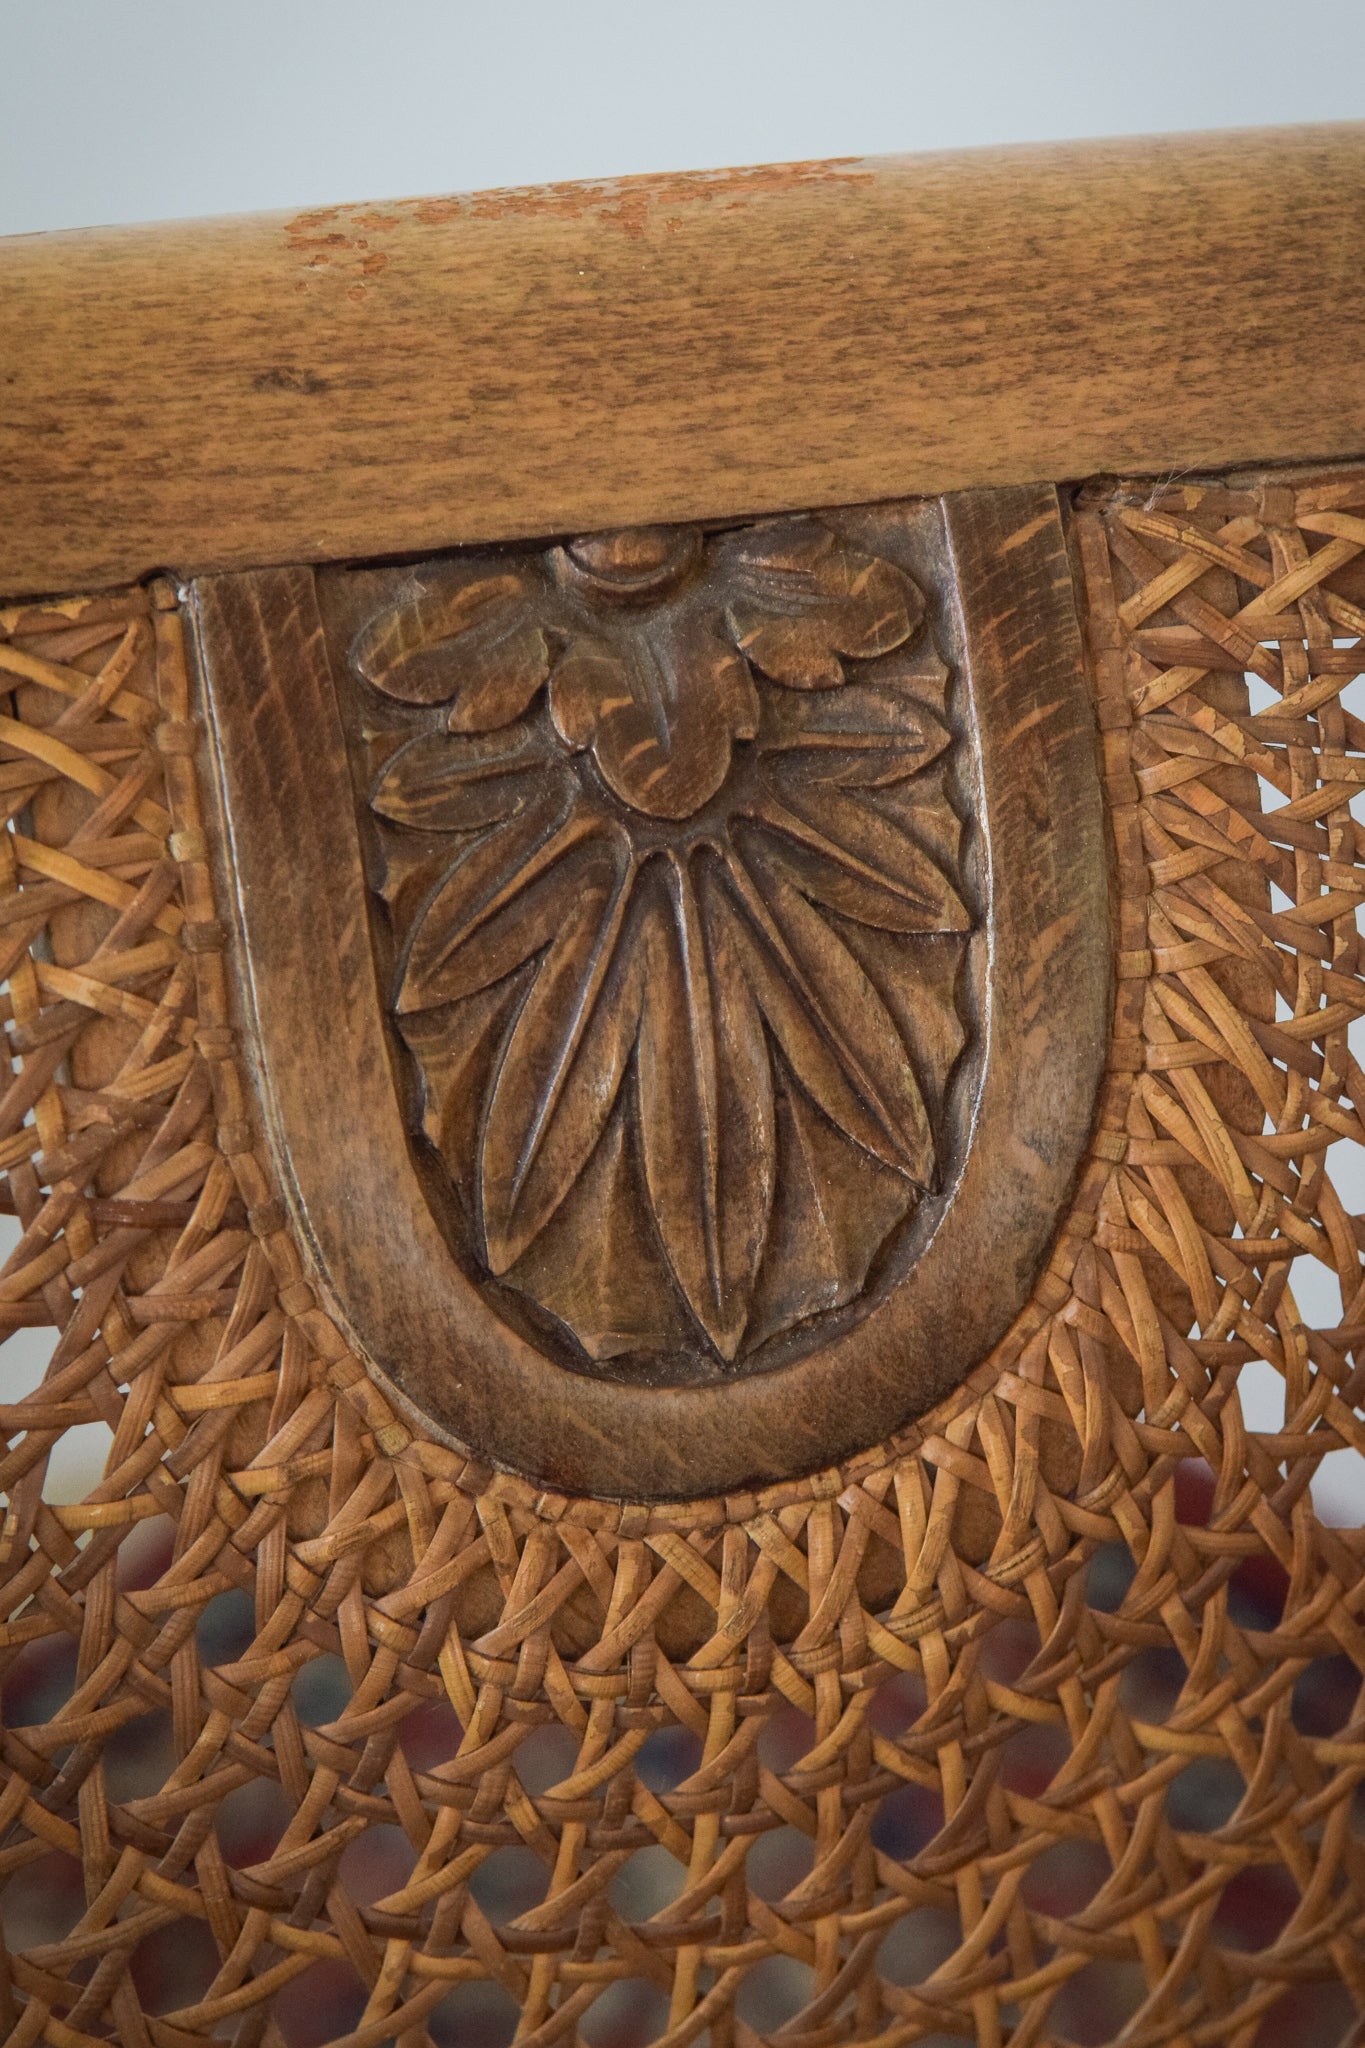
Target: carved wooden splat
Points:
(681, 1029)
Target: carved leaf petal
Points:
(479, 643)
(836, 1032)
(441, 783)
(490, 910)
(803, 597)
(834, 1208)
(865, 735)
(660, 706)
(563, 1064)
(596, 1269)
(922, 805)
(858, 861)
(706, 1114)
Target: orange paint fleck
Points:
(634, 205)
(630, 203)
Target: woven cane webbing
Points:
(1040, 1724)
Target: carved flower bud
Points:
(637, 566)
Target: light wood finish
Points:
(405, 376)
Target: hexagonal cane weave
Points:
(1040, 1724)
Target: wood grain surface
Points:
(665, 834)
(371, 1201)
(406, 376)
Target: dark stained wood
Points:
(721, 1157)
(669, 830)
(359, 381)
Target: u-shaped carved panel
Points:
(680, 1013)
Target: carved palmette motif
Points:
(681, 1033)
(669, 833)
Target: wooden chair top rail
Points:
(415, 374)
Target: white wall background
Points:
(125, 110)
(117, 110)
